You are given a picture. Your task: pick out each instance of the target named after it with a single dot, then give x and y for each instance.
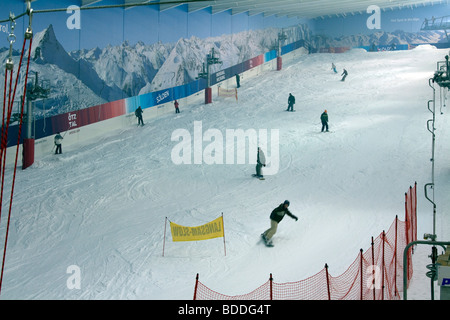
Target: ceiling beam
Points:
(310, 9)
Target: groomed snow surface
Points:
(101, 205)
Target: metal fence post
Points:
(195, 289)
(382, 265)
(373, 269)
(271, 286)
(328, 282)
(361, 271)
(395, 257)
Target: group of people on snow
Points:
(323, 116)
(138, 112)
(279, 212)
(344, 73)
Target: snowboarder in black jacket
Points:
(291, 102)
(275, 218)
(324, 119)
(344, 74)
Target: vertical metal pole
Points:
(164, 241)
(415, 212)
(382, 265)
(433, 262)
(208, 72)
(328, 281)
(223, 228)
(406, 219)
(196, 286)
(373, 269)
(411, 220)
(271, 287)
(29, 133)
(361, 272)
(433, 111)
(395, 257)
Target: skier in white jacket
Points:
(260, 162)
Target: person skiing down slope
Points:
(275, 218)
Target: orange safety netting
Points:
(375, 274)
(221, 92)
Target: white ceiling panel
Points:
(292, 8)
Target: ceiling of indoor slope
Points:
(291, 8)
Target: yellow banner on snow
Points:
(210, 230)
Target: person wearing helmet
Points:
(324, 119)
(275, 218)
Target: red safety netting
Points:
(312, 288)
(202, 292)
(375, 274)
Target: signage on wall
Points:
(374, 21)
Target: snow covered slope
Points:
(102, 205)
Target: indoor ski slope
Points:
(101, 206)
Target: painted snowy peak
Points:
(88, 77)
(128, 67)
(46, 49)
(382, 38)
(141, 68)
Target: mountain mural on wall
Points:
(89, 77)
(382, 38)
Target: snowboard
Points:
(270, 245)
(260, 178)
